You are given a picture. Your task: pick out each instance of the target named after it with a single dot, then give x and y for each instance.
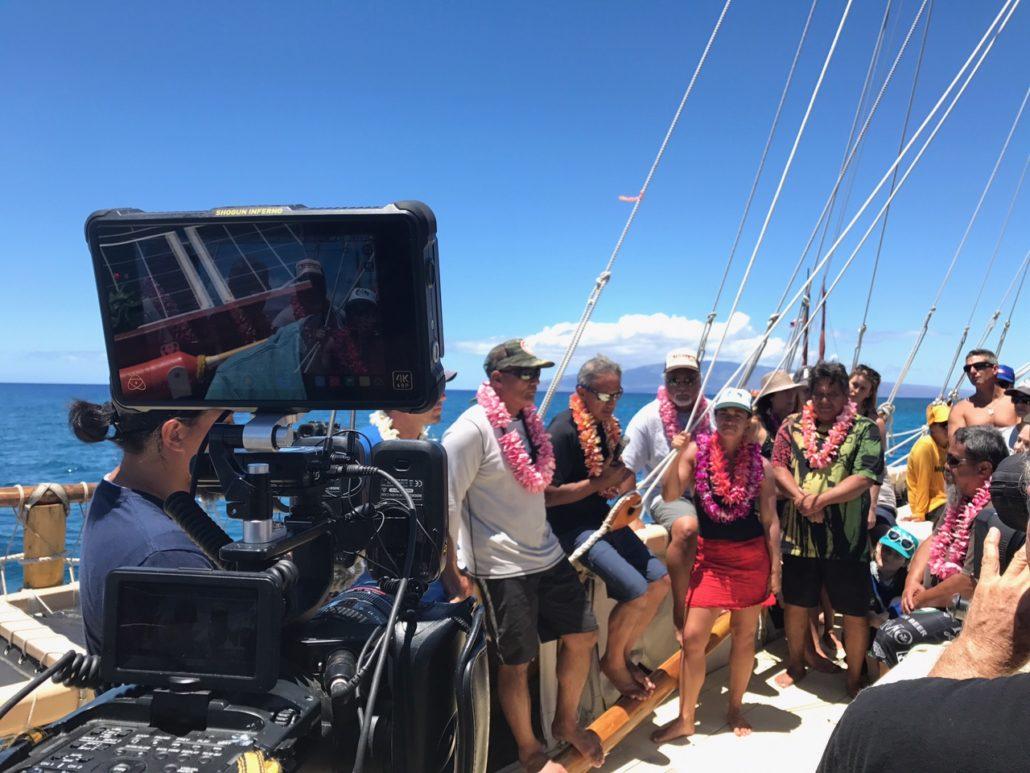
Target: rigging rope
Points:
(987, 273)
(702, 342)
(774, 318)
(605, 276)
(1012, 310)
(772, 208)
(997, 245)
(883, 229)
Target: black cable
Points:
(402, 587)
(37, 680)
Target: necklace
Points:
(387, 431)
(590, 439)
(534, 477)
(736, 491)
(669, 414)
(821, 457)
(951, 542)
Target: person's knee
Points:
(685, 530)
(658, 589)
(513, 672)
(579, 641)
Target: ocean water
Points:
(37, 446)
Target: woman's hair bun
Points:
(91, 422)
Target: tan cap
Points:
(777, 381)
(681, 358)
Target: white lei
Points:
(384, 424)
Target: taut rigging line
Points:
(605, 276)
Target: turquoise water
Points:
(36, 444)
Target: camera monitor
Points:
(272, 308)
(221, 628)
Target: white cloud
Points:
(643, 339)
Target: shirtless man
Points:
(989, 404)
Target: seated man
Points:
(649, 436)
(587, 474)
(943, 565)
(972, 713)
(924, 474)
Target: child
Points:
(889, 568)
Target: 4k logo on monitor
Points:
(402, 380)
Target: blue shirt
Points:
(126, 528)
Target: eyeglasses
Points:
(687, 379)
(526, 374)
(977, 366)
(906, 542)
(954, 461)
(604, 397)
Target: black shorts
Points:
(523, 611)
(847, 583)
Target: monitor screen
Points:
(309, 310)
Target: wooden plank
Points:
(622, 718)
(10, 496)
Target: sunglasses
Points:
(526, 374)
(954, 461)
(977, 366)
(904, 540)
(686, 380)
(604, 397)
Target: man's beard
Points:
(953, 494)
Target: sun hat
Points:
(1022, 388)
(513, 353)
(777, 381)
(681, 358)
(731, 397)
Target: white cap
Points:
(361, 294)
(731, 397)
(681, 358)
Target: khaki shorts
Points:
(666, 513)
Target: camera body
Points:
(275, 311)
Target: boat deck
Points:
(791, 726)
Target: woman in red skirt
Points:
(738, 556)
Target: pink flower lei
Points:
(951, 543)
(820, 458)
(532, 477)
(736, 494)
(670, 415)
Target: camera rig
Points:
(267, 661)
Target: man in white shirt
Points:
(649, 440)
(499, 460)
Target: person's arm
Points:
(464, 446)
(781, 461)
(995, 638)
(918, 474)
(957, 418)
(771, 525)
(850, 488)
(680, 475)
(567, 493)
(940, 595)
(916, 571)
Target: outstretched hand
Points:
(997, 626)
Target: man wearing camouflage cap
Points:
(499, 461)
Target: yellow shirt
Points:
(925, 477)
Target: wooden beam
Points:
(10, 496)
(622, 718)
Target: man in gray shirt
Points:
(499, 460)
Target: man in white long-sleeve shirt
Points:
(499, 460)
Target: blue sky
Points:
(520, 124)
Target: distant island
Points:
(645, 379)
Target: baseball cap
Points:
(900, 541)
(937, 413)
(308, 267)
(681, 358)
(513, 353)
(1006, 374)
(361, 294)
(449, 375)
(1022, 388)
(731, 397)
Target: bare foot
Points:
(537, 761)
(735, 719)
(640, 676)
(789, 677)
(586, 742)
(624, 682)
(678, 728)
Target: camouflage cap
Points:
(513, 354)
